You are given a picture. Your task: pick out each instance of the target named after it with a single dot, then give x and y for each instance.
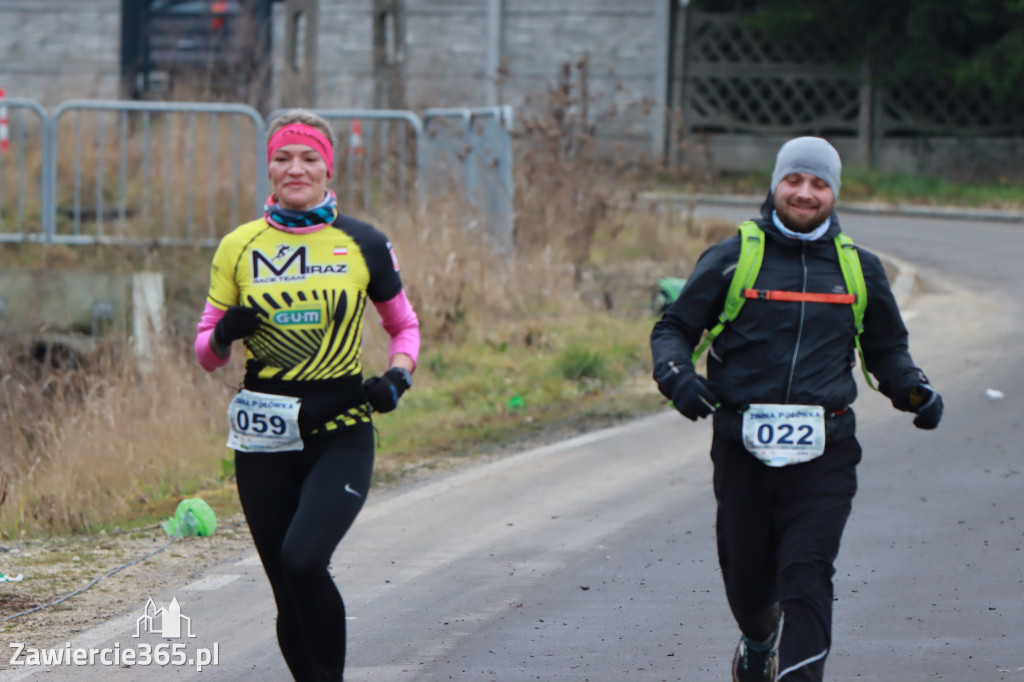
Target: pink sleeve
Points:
(208, 360)
(400, 322)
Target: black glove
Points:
(238, 322)
(693, 398)
(384, 391)
(927, 404)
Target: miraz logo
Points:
(294, 268)
(292, 318)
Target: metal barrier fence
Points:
(176, 179)
(471, 150)
(21, 188)
(175, 173)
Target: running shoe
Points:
(757, 663)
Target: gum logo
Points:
(291, 318)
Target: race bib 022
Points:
(781, 435)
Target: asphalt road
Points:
(593, 559)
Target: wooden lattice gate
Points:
(735, 96)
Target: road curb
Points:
(906, 282)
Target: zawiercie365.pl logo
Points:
(167, 622)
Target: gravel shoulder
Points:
(52, 569)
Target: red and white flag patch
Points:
(340, 251)
(394, 258)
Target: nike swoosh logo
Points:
(349, 489)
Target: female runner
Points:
(293, 286)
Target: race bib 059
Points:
(263, 422)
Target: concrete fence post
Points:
(148, 317)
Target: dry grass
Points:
(87, 438)
(561, 323)
(94, 442)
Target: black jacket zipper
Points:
(800, 326)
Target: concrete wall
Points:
(55, 50)
(447, 43)
(62, 301)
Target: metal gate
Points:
(217, 49)
(21, 186)
(179, 173)
(158, 172)
(470, 151)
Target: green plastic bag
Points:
(666, 293)
(192, 517)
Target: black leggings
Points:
(778, 537)
(299, 505)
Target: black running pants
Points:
(299, 505)
(778, 535)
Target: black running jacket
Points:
(784, 352)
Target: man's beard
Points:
(801, 224)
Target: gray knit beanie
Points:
(808, 155)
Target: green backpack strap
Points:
(747, 267)
(853, 275)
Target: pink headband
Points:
(300, 133)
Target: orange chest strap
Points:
(772, 295)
